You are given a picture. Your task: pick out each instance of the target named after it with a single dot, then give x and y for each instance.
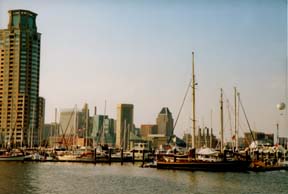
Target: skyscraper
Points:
(19, 78)
(98, 127)
(103, 130)
(124, 125)
(165, 122)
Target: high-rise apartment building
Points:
(19, 78)
(124, 125)
(165, 122)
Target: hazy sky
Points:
(139, 52)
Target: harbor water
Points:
(75, 178)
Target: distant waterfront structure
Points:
(124, 124)
(283, 141)
(260, 137)
(69, 121)
(84, 122)
(103, 130)
(46, 132)
(19, 79)
(136, 130)
(75, 122)
(205, 137)
(98, 128)
(157, 140)
(49, 131)
(109, 132)
(165, 122)
(147, 129)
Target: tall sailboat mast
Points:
(193, 103)
(221, 120)
(235, 118)
(76, 126)
(55, 131)
(86, 110)
(211, 132)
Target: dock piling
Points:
(95, 155)
(143, 157)
(121, 156)
(110, 151)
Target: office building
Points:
(103, 130)
(98, 127)
(124, 125)
(84, 123)
(165, 122)
(148, 129)
(19, 79)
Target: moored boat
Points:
(206, 159)
(197, 165)
(11, 156)
(140, 150)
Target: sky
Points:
(139, 52)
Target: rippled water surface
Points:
(64, 178)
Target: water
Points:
(72, 178)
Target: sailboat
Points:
(206, 160)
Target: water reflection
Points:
(73, 178)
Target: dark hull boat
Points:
(12, 158)
(196, 165)
(206, 160)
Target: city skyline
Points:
(140, 53)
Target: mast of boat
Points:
(103, 124)
(240, 103)
(210, 140)
(221, 119)
(235, 118)
(55, 128)
(193, 103)
(86, 110)
(75, 124)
